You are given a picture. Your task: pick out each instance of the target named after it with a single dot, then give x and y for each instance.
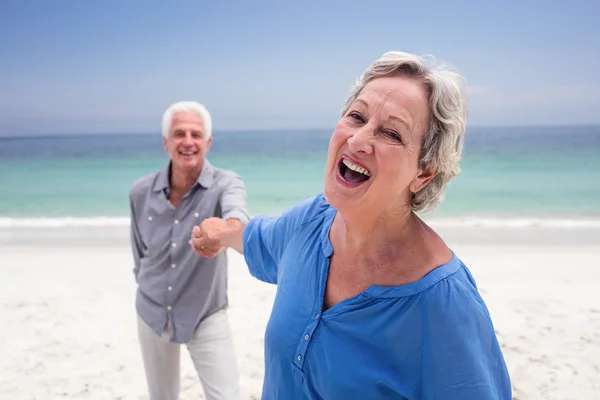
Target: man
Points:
(181, 297)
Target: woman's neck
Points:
(361, 234)
(393, 248)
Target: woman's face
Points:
(372, 165)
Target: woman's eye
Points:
(393, 135)
(356, 116)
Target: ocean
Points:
(510, 175)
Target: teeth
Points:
(186, 154)
(355, 167)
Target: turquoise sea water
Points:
(545, 173)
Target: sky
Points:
(108, 66)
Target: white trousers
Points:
(212, 352)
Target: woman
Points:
(371, 303)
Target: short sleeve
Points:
(462, 358)
(266, 238)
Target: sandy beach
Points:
(68, 320)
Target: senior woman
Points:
(371, 303)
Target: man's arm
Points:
(137, 245)
(216, 234)
(233, 202)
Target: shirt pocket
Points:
(156, 232)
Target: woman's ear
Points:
(422, 180)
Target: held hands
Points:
(208, 237)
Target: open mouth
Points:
(187, 153)
(352, 173)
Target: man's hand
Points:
(208, 237)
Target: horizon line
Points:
(249, 130)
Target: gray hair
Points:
(442, 145)
(186, 106)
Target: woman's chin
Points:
(338, 196)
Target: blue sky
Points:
(71, 66)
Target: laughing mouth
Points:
(187, 153)
(353, 173)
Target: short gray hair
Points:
(186, 106)
(443, 142)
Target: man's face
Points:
(187, 143)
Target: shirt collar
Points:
(205, 179)
(207, 175)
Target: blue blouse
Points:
(431, 339)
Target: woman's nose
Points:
(361, 140)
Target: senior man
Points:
(181, 296)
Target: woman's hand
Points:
(208, 237)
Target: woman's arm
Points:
(214, 235)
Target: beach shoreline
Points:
(454, 234)
(67, 299)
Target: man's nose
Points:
(187, 139)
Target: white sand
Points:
(67, 322)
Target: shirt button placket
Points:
(305, 341)
(173, 264)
